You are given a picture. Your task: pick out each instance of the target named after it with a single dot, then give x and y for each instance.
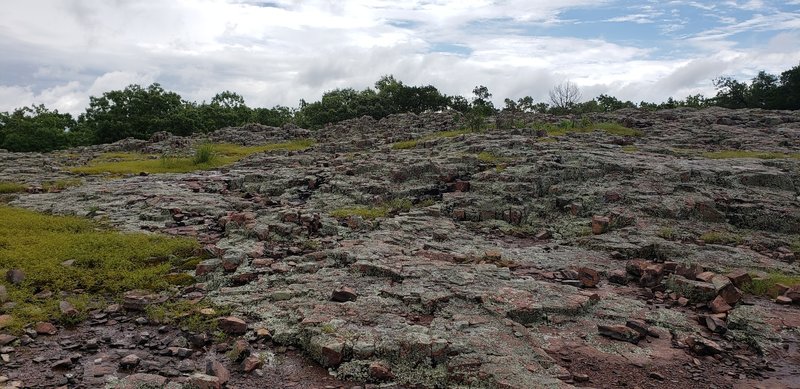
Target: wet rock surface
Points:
(571, 261)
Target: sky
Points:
(61, 52)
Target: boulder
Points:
(232, 325)
(589, 278)
(620, 332)
(600, 224)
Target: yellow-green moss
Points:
(363, 212)
(12, 187)
(721, 237)
(767, 286)
(218, 155)
(103, 262)
(731, 154)
(407, 144)
(57, 185)
(630, 149)
(187, 314)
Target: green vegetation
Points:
(721, 237)
(729, 154)
(410, 144)
(499, 161)
(209, 156)
(195, 317)
(102, 263)
(140, 112)
(204, 154)
(630, 149)
(58, 185)
(767, 286)
(667, 233)
(12, 187)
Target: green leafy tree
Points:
(790, 88)
(134, 112)
(275, 116)
(608, 103)
(731, 93)
(37, 128)
(764, 91)
(481, 104)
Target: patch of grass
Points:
(12, 187)
(630, 149)
(567, 126)
(59, 185)
(204, 154)
(721, 237)
(219, 154)
(731, 154)
(667, 233)
(767, 286)
(499, 161)
(406, 144)
(187, 314)
(105, 263)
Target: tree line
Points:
(139, 112)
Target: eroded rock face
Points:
(480, 277)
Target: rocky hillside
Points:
(629, 249)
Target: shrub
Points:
(204, 154)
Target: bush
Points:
(204, 154)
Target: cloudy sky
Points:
(60, 52)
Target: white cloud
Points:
(61, 53)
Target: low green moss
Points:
(364, 212)
(408, 144)
(721, 237)
(102, 262)
(768, 286)
(630, 149)
(732, 154)
(195, 317)
(207, 156)
(58, 185)
(667, 233)
(12, 187)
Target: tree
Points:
(564, 96)
(37, 128)
(790, 88)
(730, 93)
(134, 112)
(510, 105)
(608, 103)
(481, 104)
(764, 91)
(227, 109)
